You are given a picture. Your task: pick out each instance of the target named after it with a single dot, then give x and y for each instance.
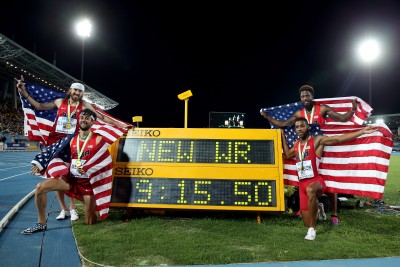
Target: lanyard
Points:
(73, 112)
(309, 120)
(302, 152)
(78, 162)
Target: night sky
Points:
(234, 57)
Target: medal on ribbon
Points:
(302, 152)
(69, 124)
(309, 120)
(79, 151)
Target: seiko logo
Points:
(147, 133)
(134, 171)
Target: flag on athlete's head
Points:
(357, 167)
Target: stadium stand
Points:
(393, 122)
(16, 60)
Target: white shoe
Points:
(321, 212)
(311, 234)
(74, 215)
(63, 214)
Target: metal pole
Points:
(83, 55)
(186, 111)
(370, 86)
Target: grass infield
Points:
(198, 238)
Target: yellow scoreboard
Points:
(189, 168)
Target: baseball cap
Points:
(78, 86)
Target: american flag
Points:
(39, 123)
(358, 167)
(54, 160)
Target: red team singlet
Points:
(307, 170)
(316, 118)
(60, 128)
(80, 184)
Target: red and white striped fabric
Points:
(109, 132)
(55, 161)
(36, 128)
(98, 167)
(105, 114)
(358, 167)
(343, 105)
(39, 123)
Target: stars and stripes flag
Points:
(39, 123)
(54, 160)
(357, 167)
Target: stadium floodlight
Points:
(83, 29)
(369, 51)
(185, 96)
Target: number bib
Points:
(63, 126)
(304, 170)
(74, 169)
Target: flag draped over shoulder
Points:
(358, 167)
(54, 160)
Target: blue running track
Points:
(56, 246)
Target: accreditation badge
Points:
(66, 126)
(304, 169)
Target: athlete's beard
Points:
(304, 135)
(75, 98)
(84, 128)
(309, 106)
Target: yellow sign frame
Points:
(204, 171)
